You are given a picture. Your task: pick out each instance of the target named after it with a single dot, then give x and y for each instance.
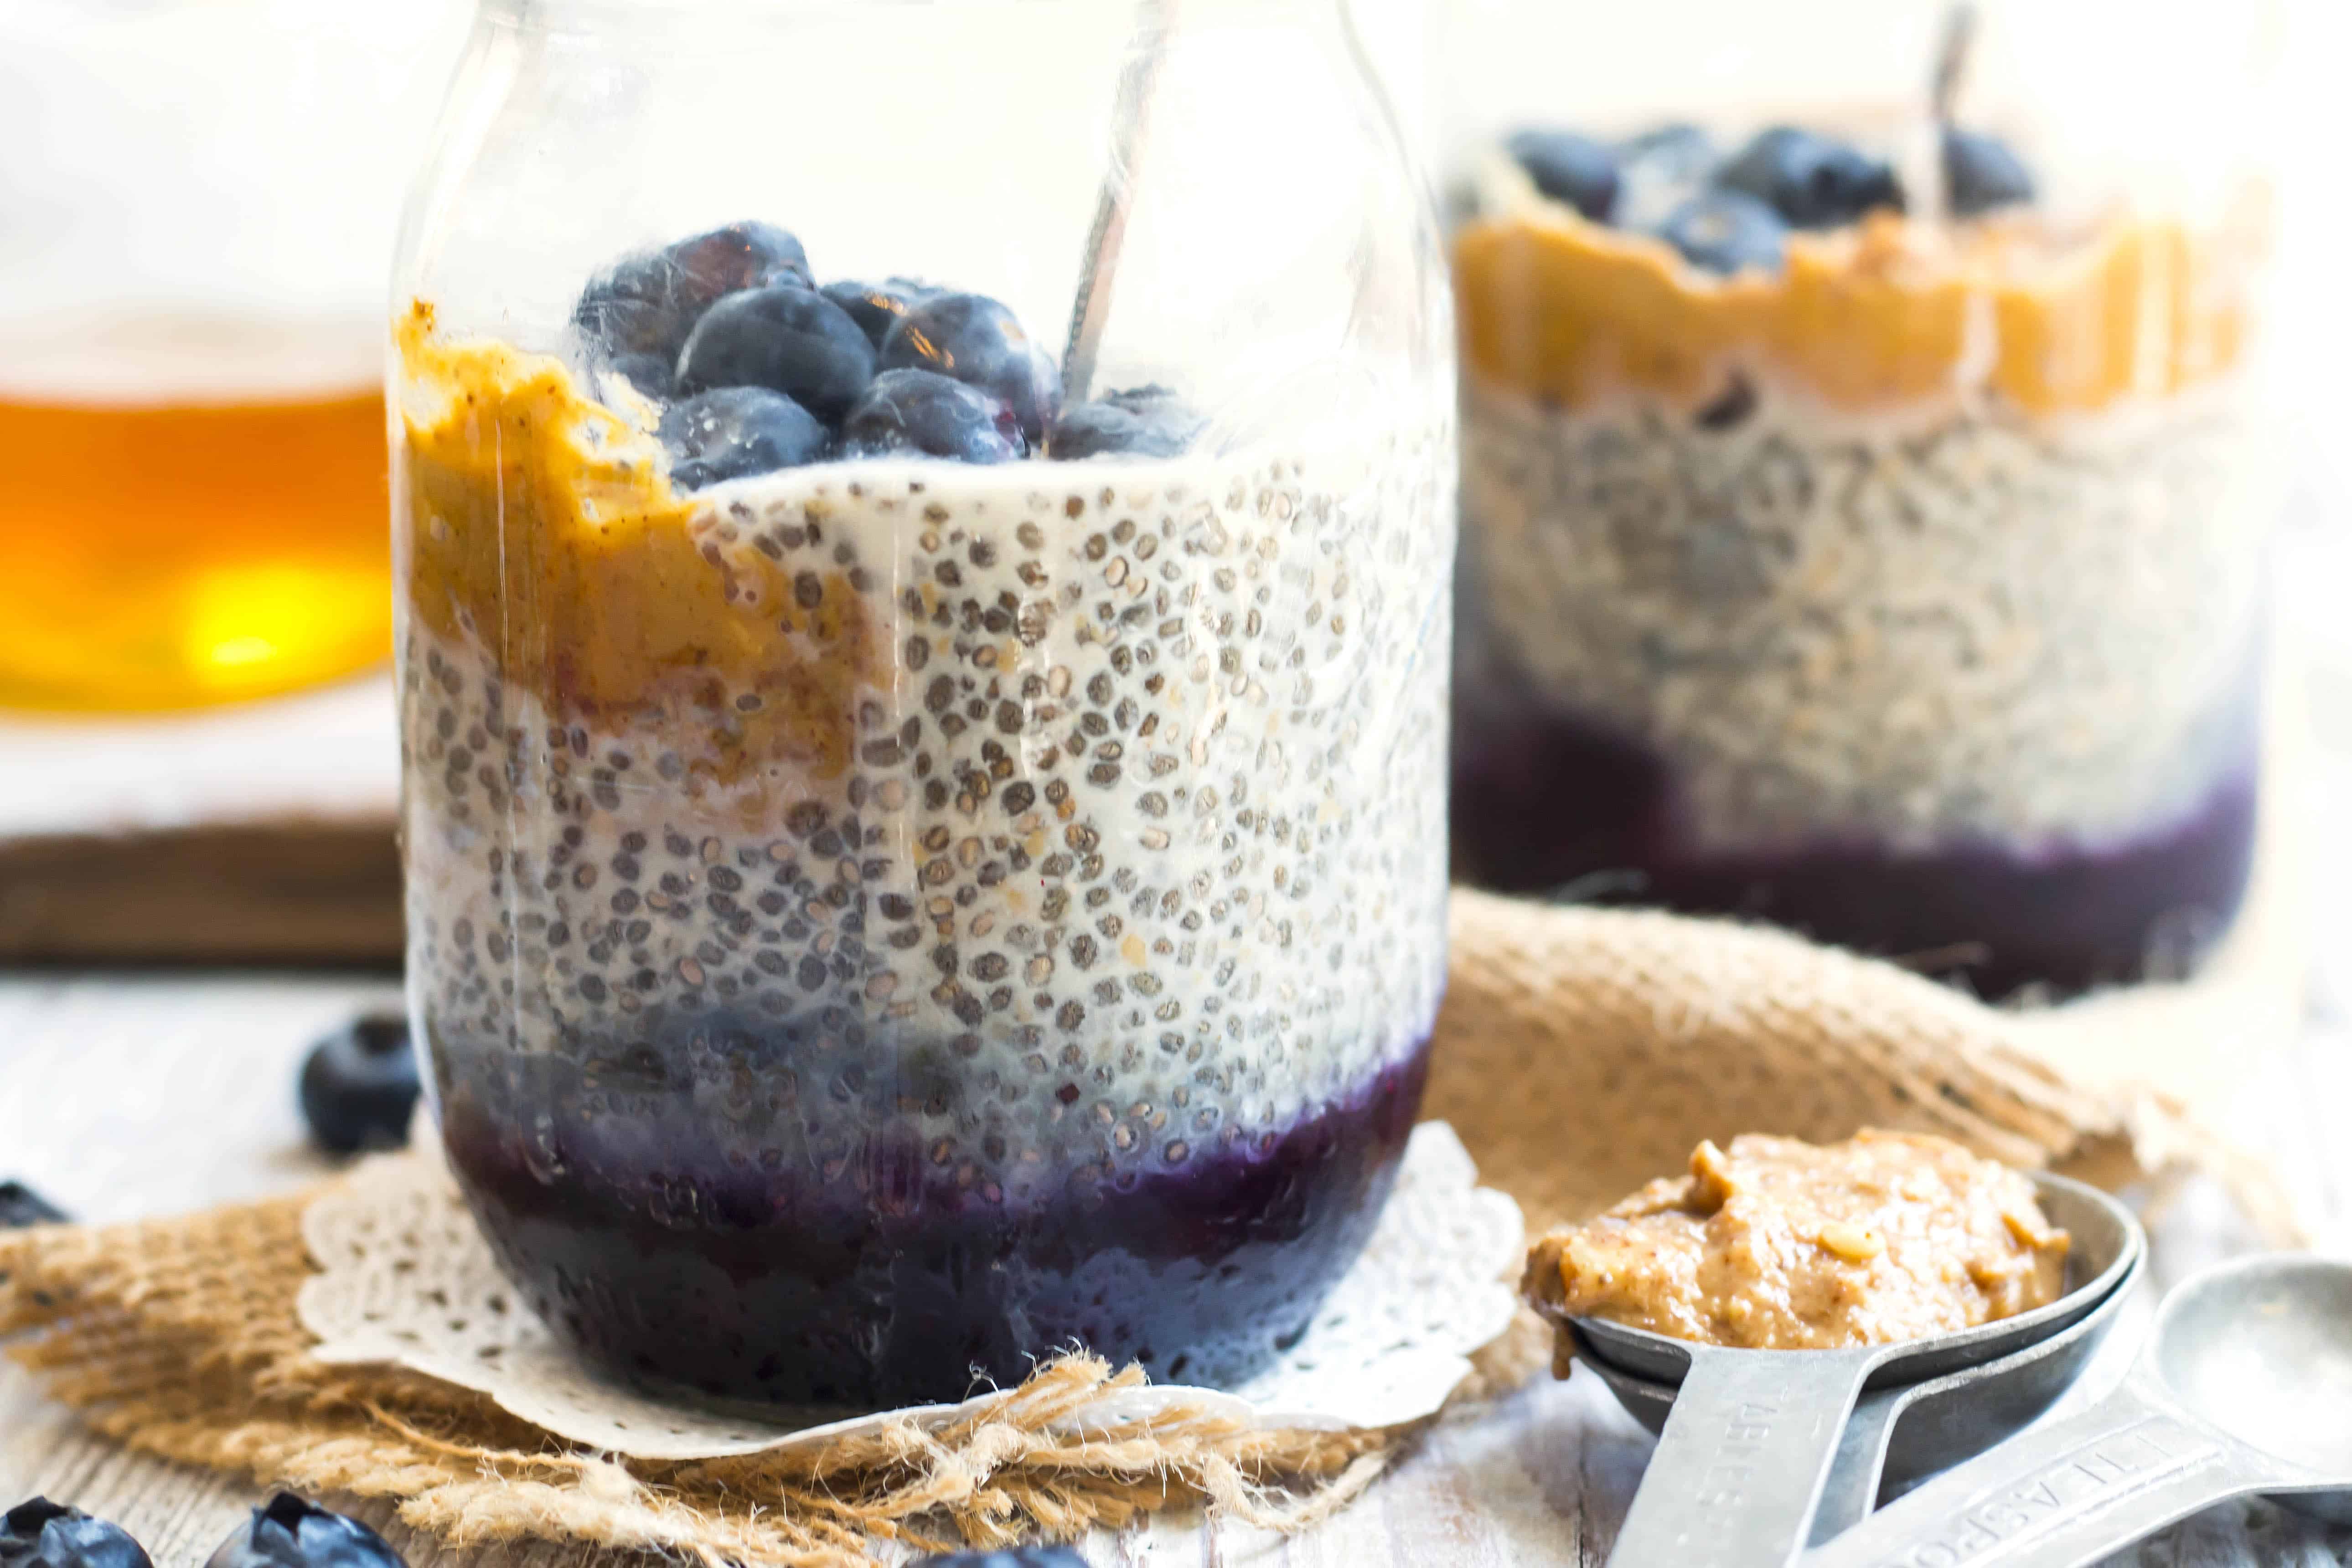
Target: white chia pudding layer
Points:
(1138, 849)
(1972, 626)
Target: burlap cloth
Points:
(1580, 1052)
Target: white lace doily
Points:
(404, 1278)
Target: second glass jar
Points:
(1864, 503)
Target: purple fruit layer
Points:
(1545, 804)
(638, 1228)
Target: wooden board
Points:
(261, 833)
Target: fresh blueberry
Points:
(1724, 231)
(359, 1085)
(877, 306)
(787, 339)
(978, 342)
(21, 1207)
(1143, 422)
(736, 431)
(1981, 173)
(1013, 1557)
(291, 1533)
(1681, 153)
(1811, 180)
(647, 304)
(923, 411)
(1572, 168)
(38, 1533)
(652, 374)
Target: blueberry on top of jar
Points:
(1141, 422)
(1812, 181)
(1726, 232)
(1570, 167)
(787, 337)
(978, 342)
(1678, 152)
(1981, 174)
(738, 431)
(932, 415)
(877, 307)
(645, 306)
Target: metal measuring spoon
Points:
(1898, 1438)
(2245, 1387)
(1745, 1453)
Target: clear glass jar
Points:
(1864, 503)
(913, 862)
(199, 200)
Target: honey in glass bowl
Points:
(194, 514)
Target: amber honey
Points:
(166, 555)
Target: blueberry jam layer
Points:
(666, 1244)
(1554, 805)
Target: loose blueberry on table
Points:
(38, 1533)
(21, 1208)
(359, 1085)
(1011, 1557)
(757, 368)
(290, 1533)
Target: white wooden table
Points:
(125, 1095)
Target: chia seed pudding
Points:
(1897, 580)
(878, 920)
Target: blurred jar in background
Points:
(197, 202)
(1865, 510)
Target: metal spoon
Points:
(1898, 1438)
(1746, 1452)
(2245, 1387)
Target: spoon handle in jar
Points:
(2063, 1497)
(1131, 134)
(1741, 1463)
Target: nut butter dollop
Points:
(1777, 1244)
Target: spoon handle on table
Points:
(2063, 1497)
(1740, 1465)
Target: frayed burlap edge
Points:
(1580, 1052)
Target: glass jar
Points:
(1864, 503)
(199, 198)
(924, 847)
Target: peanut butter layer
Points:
(542, 525)
(1877, 315)
(1780, 1245)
